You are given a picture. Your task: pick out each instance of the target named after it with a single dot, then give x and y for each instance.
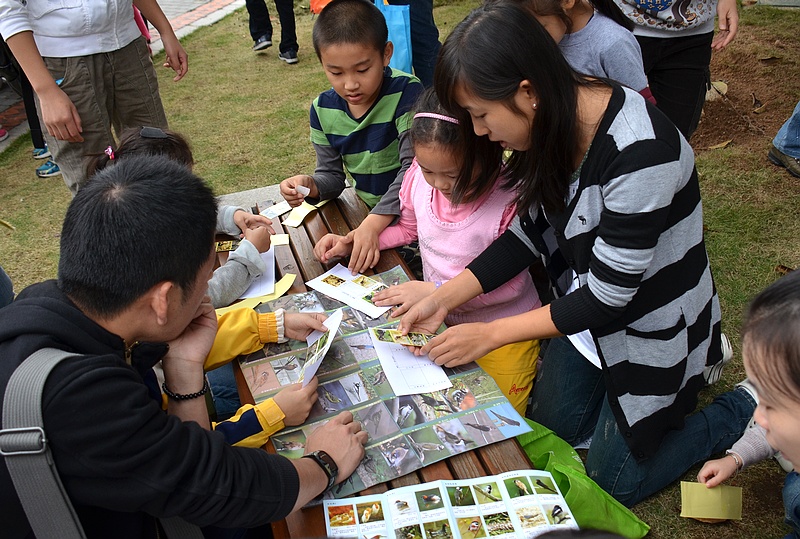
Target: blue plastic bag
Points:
(398, 19)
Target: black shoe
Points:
(788, 162)
(290, 56)
(262, 43)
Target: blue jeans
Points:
(260, 24)
(424, 38)
(787, 141)
(570, 398)
(791, 503)
(6, 289)
(223, 391)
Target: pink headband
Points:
(436, 117)
(110, 153)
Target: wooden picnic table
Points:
(340, 216)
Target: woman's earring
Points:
(534, 106)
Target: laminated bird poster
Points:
(405, 432)
(519, 504)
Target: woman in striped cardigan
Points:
(611, 204)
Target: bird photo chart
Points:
(406, 432)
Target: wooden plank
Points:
(504, 456)
(405, 480)
(284, 258)
(436, 471)
(334, 219)
(353, 208)
(466, 465)
(303, 249)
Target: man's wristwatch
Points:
(327, 464)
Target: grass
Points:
(247, 117)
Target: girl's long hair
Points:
(488, 55)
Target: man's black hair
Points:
(143, 221)
(350, 21)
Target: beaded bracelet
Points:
(188, 396)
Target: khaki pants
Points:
(116, 90)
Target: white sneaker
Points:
(713, 373)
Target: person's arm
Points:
(244, 265)
(389, 203)
(243, 331)
(728, 21)
(176, 57)
(328, 176)
(59, 114)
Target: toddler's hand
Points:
(296, 401)
(716, 471)
(246, 220)
(298, 326)
(289, 189)
(259, 237)
(333, 246)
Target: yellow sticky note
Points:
(281, 287)
(279, 239)
(720, 502)
(299, 213)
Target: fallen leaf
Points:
(756, 101)
(769, 60)
(718, 88)
(760, 109)
(721, 145)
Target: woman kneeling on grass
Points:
(609, 198)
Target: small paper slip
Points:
(281, 287)
(318, 345)
(354, 290)
(279, 239)
(276, 210)
(303, 190)
(266, 283)
(721, 502)
(299, 213)
(407, 374)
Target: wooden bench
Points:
(340, 216)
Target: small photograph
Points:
(369, 296)
(454, 436)
(531, 516)
(355, 387)
(402, 505)
(487, 493)
(287, 369)
(384, 335)
(226, 245)
(471, 527)
(332, 397)
(427, 445)
(377, 379)
(330, 304)
(438, 529)
(399, 456)
(430, 499)
(363, 281)
(341, 515)
(460, 396)
(291, 444)
(351, 323)
(482, 385)
(276, 348)
(349, 486)
(419, 339)
(434, 405)
(482, 427)
(506, 418)
(405, 411)
(557, 514)
(392, 277)
(408, 532)
(333, 280)
(338, 358)
(518, 486)
(399, 338)
(307, 302)
(498, 524)
(379, 321)
(369, 512)
(460, 496)
(543, 485)
(373, 468)
(361, 346)
(261, 378)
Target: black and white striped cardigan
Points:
(633, 234)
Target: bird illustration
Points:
(376, 509)
(488, 489)
(430, 500)
(401, 505)
(428, 446)
(505, 420)
(541, 484)
(446, 435)
(458, 496)
(260, 380)
(289, 445)
(430, 401)
(288, 365)
(396, 457)
(522, 488)
(330, 397)
(343, 483)
(558, 514)
(365, 516)
(404, 414)
(474, 527)
(374, 417)
(478, 426)
(379, 378)
(369, 464)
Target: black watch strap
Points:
(327, 464)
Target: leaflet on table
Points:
(354, 290)
(407, 374)
(319, 343)
(265, 284)
(521, 504)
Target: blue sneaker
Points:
(41, 153)
(48, 170)
(290, 56)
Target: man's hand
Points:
(343, 439)
(259, 237)
(289, 189)
(295, 401)
(191, 347)
(298, 326)
(246, 220)
(728, 21)
(60, 115)
(333, 246)
(404, 295)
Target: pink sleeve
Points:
(508, 215)
(404, 231)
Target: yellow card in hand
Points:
(719, 503)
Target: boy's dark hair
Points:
(350, 21)
(145, 141)
(469, 60)
(449, 135)
(771, 337)
(143, 221)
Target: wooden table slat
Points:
(303, 251)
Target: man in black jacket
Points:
(136, 254)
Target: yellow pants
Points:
(513, 367)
